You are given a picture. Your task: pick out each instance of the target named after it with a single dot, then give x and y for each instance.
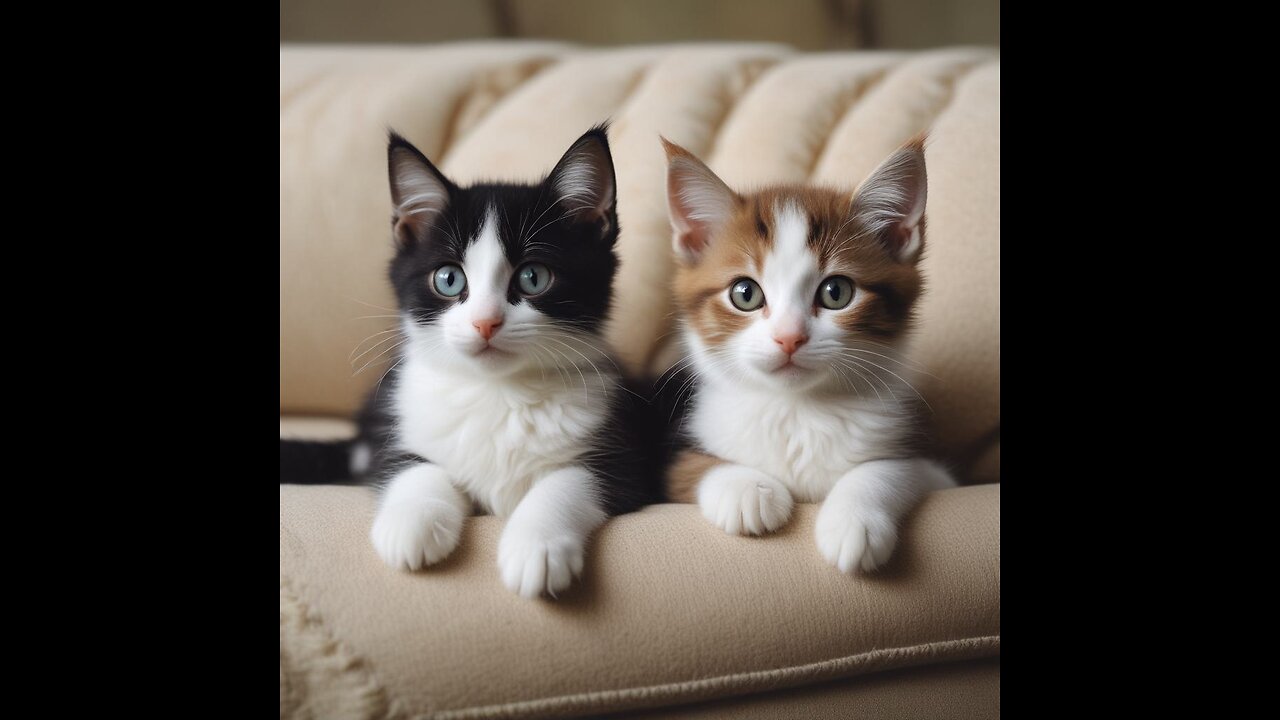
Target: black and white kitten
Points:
(504, 398)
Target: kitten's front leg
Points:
(419, 518)
(857, 526)
(543, 546)
(738, 499)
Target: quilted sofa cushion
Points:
(670, 611)
(757, 113)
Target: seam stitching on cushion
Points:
(355, 661)
(636, 83)
(768, 65)
(454, 114)
(868, 85)
(751, 682)
(954, 87)
(452, 136)
(966, 68)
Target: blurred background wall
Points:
(803, 24)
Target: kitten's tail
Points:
(310, 462)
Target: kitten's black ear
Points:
(584, 183)
(698, 201)
(889, 205)
(419, 192)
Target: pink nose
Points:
(487, 327)
(790, 343)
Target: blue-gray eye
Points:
(745, 294)
(533, 279)
(835, 292)
(450, 281)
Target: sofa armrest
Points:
(670, 610)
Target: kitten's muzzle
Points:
(487, 327)
(791, 342)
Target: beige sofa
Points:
(673, 618)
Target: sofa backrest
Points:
(757, 113)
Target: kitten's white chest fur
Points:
(495, 437)
(806, 442)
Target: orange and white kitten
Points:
(795, 303)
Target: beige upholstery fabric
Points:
(953, 691)
(671, 610)
(758, 113)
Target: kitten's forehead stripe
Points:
(790, 268)
(791, 230)
(485, 260)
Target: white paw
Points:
(742, 501)
(411, 534)
(532, 563)
(854, 538)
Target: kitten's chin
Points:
(491, 360)
(790, 376)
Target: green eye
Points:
(746, 295)
(835, 292)
(450, 281)
(533, 279)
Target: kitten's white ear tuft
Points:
(583, 180)
(890, 203)
(698, 201)
(419, 192)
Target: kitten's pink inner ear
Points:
(583, 181)
(890, 205)
(910, 239)
(690, 237)
(698, 202)
(418, 196)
